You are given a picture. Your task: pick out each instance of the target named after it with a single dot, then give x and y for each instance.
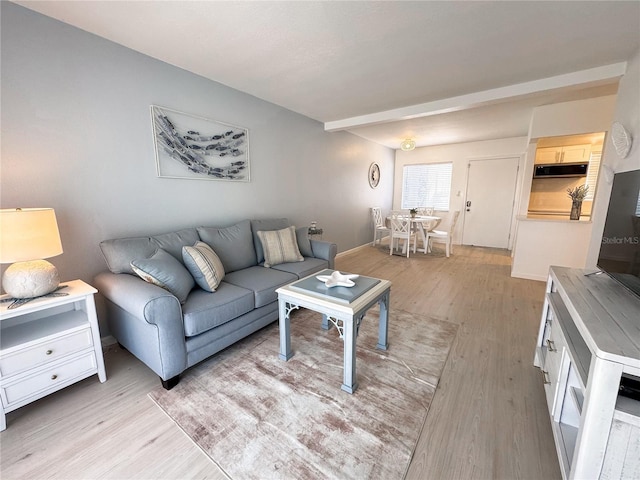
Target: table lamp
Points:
(27, 235)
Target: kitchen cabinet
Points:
(587, 342)
(567, 154)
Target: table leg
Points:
(285, 330)
(423, 234)
(349, 383)
(326, 325)
(383, 325)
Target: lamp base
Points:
(30, 279)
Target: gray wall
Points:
(76, 136)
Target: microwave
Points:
(556, 170)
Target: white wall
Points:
(627, 112)
(572, 118)
(459, 154)
(540, 244)
(76, 136)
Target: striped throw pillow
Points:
(280, 246)
(204, 265)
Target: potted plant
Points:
(577, 195)
(413, 212)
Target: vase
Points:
(576, 208)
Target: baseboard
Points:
(526, 276)
(352, 250)
(107, 341)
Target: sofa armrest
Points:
(147, 320)
(139, 298)
(324, 250)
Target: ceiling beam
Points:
(478, 99)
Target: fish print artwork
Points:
(192, 147)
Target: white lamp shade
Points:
(28, 234)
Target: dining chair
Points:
(378, 225)
(424, 227)
(426, 211)
(443, 236)
(401, 230)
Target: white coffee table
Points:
(341, 306)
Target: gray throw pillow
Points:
(162, 269)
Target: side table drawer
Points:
(44, 352)
(553, 363)
(48, 379)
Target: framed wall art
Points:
(197, 148)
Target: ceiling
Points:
(439, 72)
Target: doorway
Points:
(489, 202)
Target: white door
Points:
(491, 187)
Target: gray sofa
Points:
(170, 334)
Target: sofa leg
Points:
(172, 382)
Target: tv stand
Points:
(589, 337)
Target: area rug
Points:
(259, 417)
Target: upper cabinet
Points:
(567, 154)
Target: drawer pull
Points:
(545, 375)
(49, 352)
(54, 376)
(551, 346)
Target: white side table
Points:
(48, 344)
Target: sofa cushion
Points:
(204, 265)
(264, 226)
(233, 244)
(174, 241)
(280, 246)
(304, 244)
(303, 269)
(262, 281)
(120, 252)
(204, 311)
(163, 270)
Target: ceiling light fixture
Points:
(408, 144)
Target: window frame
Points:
(439, 201)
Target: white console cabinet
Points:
(48, 344)
(589, 337)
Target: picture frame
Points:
(197, 148)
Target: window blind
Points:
(427, 185)
(592, 174)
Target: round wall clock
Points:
(374, 175)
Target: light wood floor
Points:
(488, 419)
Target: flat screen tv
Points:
(620, 249)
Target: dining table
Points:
(420, 224)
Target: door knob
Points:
(468, 205)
